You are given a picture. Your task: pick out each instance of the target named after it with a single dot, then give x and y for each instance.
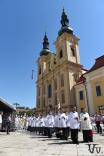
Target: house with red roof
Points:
(90, 88)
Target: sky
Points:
(22, 27)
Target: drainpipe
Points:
(86, 96)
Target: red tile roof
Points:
(98, 63)
(82, 79)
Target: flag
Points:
(32, 76)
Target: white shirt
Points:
(50, 121)
(56, 121)
(59, 120)
(68, 120)
(85, 121)
(42, 124)
(37, 122)
(33, 121)
(0, 118)
(63, 120)
(74, 120)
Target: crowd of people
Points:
(62, 124)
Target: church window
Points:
(61, 53)
(38, 103)
(55, 99)
(44, 67)
(54, 60)
(81, 97)
(39, 70)
(49, 66)
(62, 80)
(73, 51)
(98, 90)
(38, 91)
(62, 96)
(55, 84)
(43, 102)
(49, 91)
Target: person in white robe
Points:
(86, 126)
(64, 119)
(1, 120)
(50, 124)
(74, 125)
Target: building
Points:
(5, 107)
(25, 111)
(58, 72)
(90, 88)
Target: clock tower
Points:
(67, 42)
(68, 59)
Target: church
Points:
(58, 72)
(61, 78)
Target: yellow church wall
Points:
(97, 100)
(82, 103)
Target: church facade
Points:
(58, 72)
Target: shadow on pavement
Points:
(65, 142)
(33, 137)
(3, 134)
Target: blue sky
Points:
(22, 27)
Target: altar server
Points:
(74, 125)
(86, 126)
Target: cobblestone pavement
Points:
(26, 144)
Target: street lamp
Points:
(16, 104)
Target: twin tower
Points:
(58, 72)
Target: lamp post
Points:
(16, 104)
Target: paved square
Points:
(29, 144)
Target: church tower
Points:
(67, 42)
(58, 72)
(68, 60)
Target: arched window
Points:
(54, 60)
(55, 98)
(43, 102)
(73, 51)
(39, 70)
(98, 90)
(38, 91)
(62, 96)
(49, 66)
(81, 95)
(38, 103)
(55, 84)
(49, 91)
(61, 53)
(62, 80)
